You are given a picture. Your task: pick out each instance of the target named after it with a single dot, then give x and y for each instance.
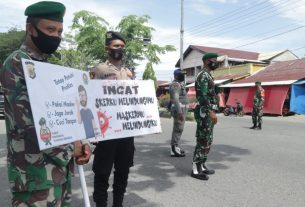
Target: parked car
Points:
(1, 102)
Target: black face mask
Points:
(213, 65)
(180, 78)
(116, 54)
(45, 43)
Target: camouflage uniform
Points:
(37, 178)
(207, 99)
(179, 105)
(258, 106)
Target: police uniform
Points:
(118, 152)
(37, 178)
(258, 107)
(207, 102)
(179, 106)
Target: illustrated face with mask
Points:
(46, 35)
(116, 50)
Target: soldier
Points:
(179, 106)
(258, 106)
(205, 115)
(117, 152)
(37, 178)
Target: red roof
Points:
(279, 71)
(238, 54)
(233, 77)
(161, 82)
(229, 52)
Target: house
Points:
(163, 87)
(277, 80)
(192, 62)
(234, 62)
(235, 65)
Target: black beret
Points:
(209, 55)
(111, 35)
(46, 10)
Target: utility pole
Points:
(181, 40)
(181, 37)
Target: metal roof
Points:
(285, 72)
(272, 83)
(300, 82)
(215, 82)
(237, 54)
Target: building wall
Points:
(285, 57)
(234, 70)
(255, 68)
(192, 64)
(193, 59)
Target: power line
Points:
(291, 30)
(252, 13)
(226, 15)
(263, 39)
(246, 16)
(245, 23)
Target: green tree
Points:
(88, 38)
(149, 74)
(89, 30)
(135, 30)
(9, 42)
(71, 58)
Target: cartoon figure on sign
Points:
(84, 114)
(45, 132)
(103, 121)
(31, 69)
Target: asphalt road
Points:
(253, 168)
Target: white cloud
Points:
(294, 11)
(200, 7)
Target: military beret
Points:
(111, 35)
(207, 56)
(46, 10)
(178, 72)
(258, 83)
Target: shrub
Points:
(164, 100)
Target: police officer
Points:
(258, 106)
(37, 178)
(179, 107)
(205, 115)
(118, 152)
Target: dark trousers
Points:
(118, 153)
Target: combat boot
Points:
(259, 127)
(197, 172)
(253, 127)
(206, 171)
(177, 152)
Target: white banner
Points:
(67, 106)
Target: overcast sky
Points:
(250, 25)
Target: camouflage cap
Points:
(209, 55)
(111, 35)
(46, 10)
